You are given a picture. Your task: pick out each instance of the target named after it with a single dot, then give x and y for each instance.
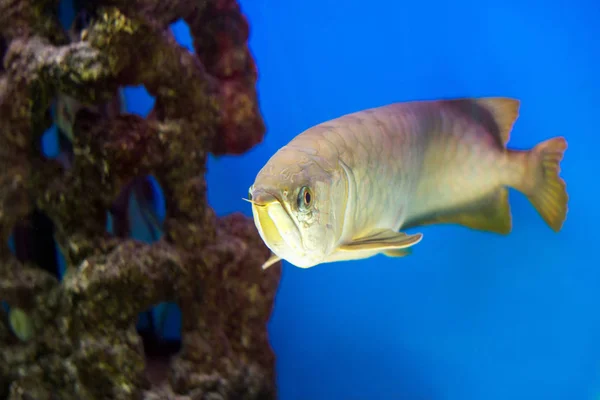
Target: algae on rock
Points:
(82, 342)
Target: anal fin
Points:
(398, 252)
(490, 213)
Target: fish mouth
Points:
(275, 225)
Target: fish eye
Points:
(304, 198)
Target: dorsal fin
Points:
(496, 114)
(505, 111)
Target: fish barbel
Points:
(343, 189)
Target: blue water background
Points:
(469, 315)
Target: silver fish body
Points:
(374, 172)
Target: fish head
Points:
(298, 204)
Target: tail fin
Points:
(546, 189)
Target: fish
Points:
(349, 188)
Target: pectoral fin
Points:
(382, 240)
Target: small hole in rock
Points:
(139, 211)
(50, 144)
(181, 31)
(160, 330)
(32, 241)
(137, 100)
(147, 195)
(55, 145)
(66, 13)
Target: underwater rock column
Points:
(75, 337)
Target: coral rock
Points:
(81, 337)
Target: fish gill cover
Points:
(76, 338)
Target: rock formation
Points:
(77, 337)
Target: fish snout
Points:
(262, 197)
